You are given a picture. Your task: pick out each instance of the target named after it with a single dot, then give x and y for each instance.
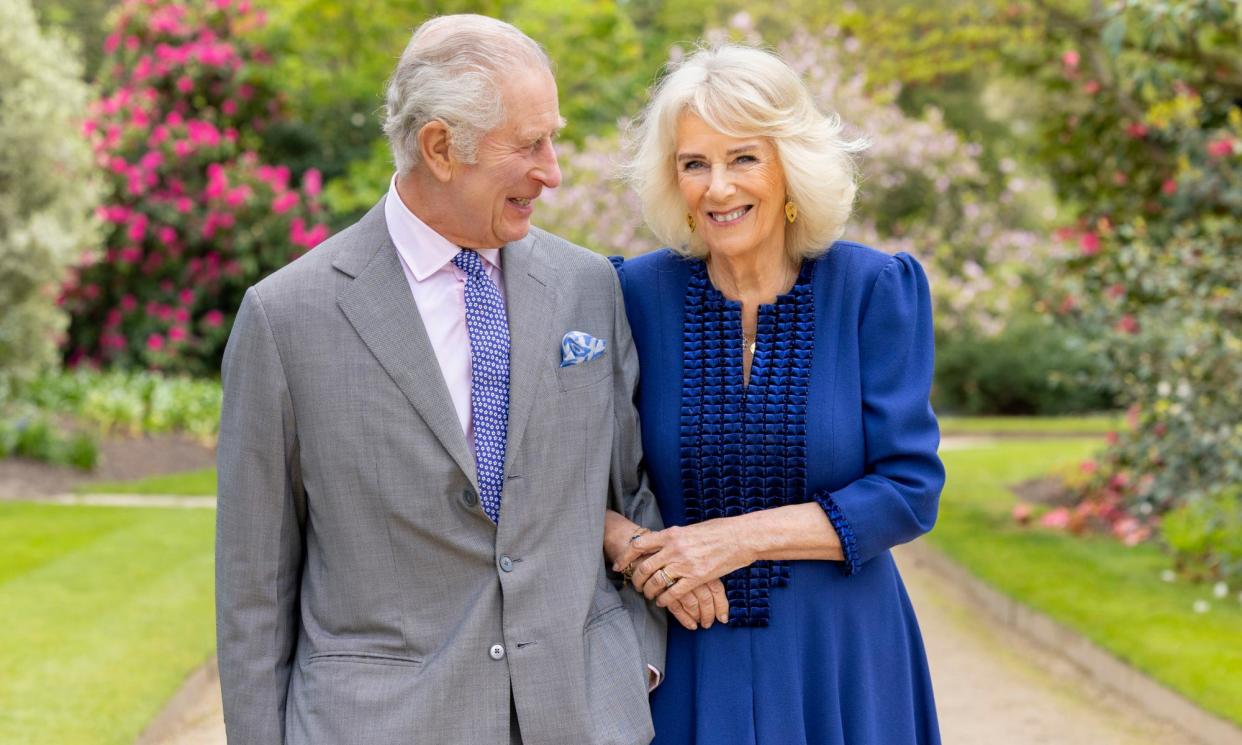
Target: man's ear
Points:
(435, 148)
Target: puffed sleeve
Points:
(897, 499)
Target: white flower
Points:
(1220, 590)
(1168, 575)
(1202, 606)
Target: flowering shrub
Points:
(1142, 129)
(47, 187)
(195, 215)
(923, 191)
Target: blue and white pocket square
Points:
(578, 347)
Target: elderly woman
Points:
(785, 421)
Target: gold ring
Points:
(668, 580)
(628, 572)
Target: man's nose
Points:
(548, 171)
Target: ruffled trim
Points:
(743, 448)
(617, 261)
(849, 545)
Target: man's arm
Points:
(259, 532)
(629, 493)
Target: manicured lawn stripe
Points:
(187, 483)
(1097, 424)
(101, 629)
(1111, 593)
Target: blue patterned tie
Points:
(489, 385)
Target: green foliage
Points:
(1205, 535)
(1141, 129)
(194, 216)
(1030, 367)
(83, 21)
(48, 190)
(29, 433)
(134, 403)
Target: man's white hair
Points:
(745, 92)
(451, 71)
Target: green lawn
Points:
(187, 483)
(1094, 424)
(1111, 593)
(103, 612)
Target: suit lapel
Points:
(531, 301)
(379, 305)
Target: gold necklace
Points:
(749, 342)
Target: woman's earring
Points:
(690, 221)
(791, 212)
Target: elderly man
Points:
(425, 419)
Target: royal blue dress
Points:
(816, 652)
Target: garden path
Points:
(992, 685)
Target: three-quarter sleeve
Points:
(896, 501)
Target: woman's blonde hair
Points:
(745, 92)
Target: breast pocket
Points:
(584, 374)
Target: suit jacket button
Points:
(506, 564)
(470, 497)
(497, 652)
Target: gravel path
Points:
(992, 686)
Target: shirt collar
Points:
(422, 249)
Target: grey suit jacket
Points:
(363, 597)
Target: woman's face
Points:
(734, 188)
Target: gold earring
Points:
(690, 221)
(791, 212)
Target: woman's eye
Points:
(691, 165)
(746, 159)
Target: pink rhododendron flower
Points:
(1091, 87)
(229, 107)
(312, 181)
(1169, 186)
(1127, 324)
(1089, 243)
(186, 296)
(1220, 148)
(1137, 130)
(155, 342)
(284, 202)
(176, 334)
(1070, 59)
(128, 303)
(1088, 466)
(213, 318)
(1057, 519)
(184, 84)
(166, 234)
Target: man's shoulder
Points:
(347, 251)
(568, 257)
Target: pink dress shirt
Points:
(439, 289)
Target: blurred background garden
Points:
(1068, 171)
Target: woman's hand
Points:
(687, 556)
(618, 530)
(703, 606)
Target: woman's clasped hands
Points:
(680, 567)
